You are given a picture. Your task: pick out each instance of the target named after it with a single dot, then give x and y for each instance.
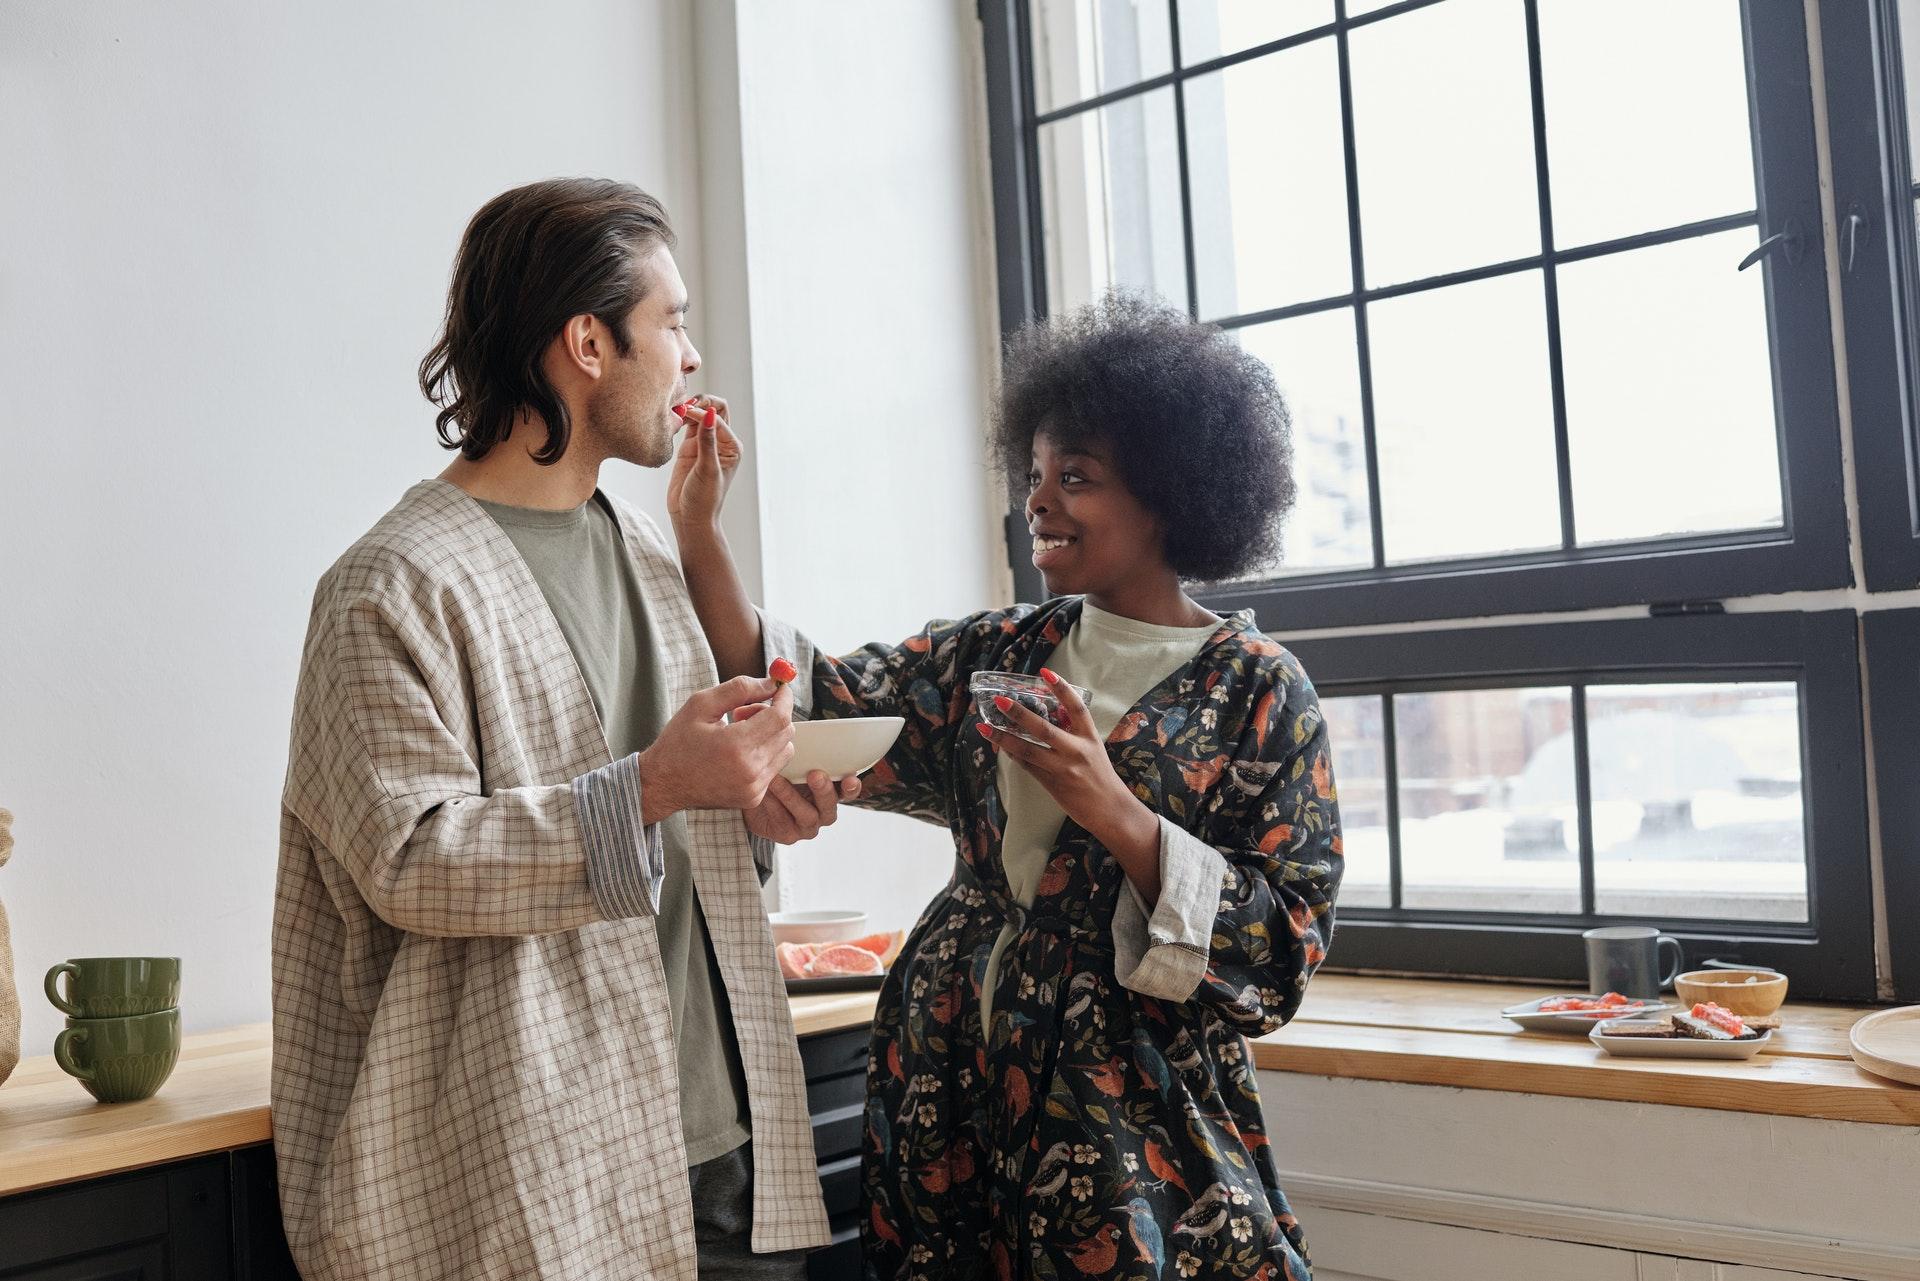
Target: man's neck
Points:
(509, 475)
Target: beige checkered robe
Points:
(473, 1064)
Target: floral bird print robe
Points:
(1092, 1130)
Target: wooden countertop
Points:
(51, 1131)
(1425, 1032)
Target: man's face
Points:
(630, 410)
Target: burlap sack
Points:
(9, 994)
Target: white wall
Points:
(225, 231)
(869, 274)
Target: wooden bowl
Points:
(1748, 993)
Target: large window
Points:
(1546, 285)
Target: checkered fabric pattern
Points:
(473, 1070)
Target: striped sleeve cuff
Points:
(626, 862)
(762, 855)
(1165, 953)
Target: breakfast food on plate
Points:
(863, 956)
(1639, 1027)
(1612, 1005)
(1704, 1022)
(1710, 1022)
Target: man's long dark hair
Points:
(531, 260)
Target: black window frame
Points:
(1892, 644)
(1810, 552)
(1830, 956)
(1873, 196)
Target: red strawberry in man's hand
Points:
(782, 671)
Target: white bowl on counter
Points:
(817, 926)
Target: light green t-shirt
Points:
(589, 581)
(1118, 660)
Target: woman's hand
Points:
(1074, 768)
(703, 466)
(792, 814)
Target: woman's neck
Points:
(1161, 603)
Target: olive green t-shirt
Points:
(582, 566)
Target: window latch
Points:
(1856, 223)
(1787, 241)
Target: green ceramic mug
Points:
(120, 1060)
(113, 987)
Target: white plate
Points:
(840, 747)
(1577, 1022)
(1677, 1047)
(817, 926)
(1888, 1044)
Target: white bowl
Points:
(840, 747)
(817, 927)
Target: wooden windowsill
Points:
(1435, 1032)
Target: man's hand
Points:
(703, 466)
(790, 815)
(700, 762)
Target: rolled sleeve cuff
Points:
(762, 855)
(782, 640)
(1165, 953)
(626, 862)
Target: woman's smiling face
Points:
(1090, 534)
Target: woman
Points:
(1060, 1084)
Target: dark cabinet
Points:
(168, 1223)
(836, 1065)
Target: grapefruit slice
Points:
(884, 946)
(795, 958)
(844, 958)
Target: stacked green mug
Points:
(123, 1023)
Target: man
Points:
(527, 1021)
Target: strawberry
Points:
(782, 671)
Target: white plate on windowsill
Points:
(1576, 1022)
(1677, 1047)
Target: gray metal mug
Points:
(1626, 959)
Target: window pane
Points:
(1669, 382)
(1269, 182)
(1215, 28)
(1463, 415)
(1675, 147)
(1697, 801)
(1084, 48)
(1110, 203)
(1488, 815)
(1316, 362)
(1356, 729)
(1443, 129)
